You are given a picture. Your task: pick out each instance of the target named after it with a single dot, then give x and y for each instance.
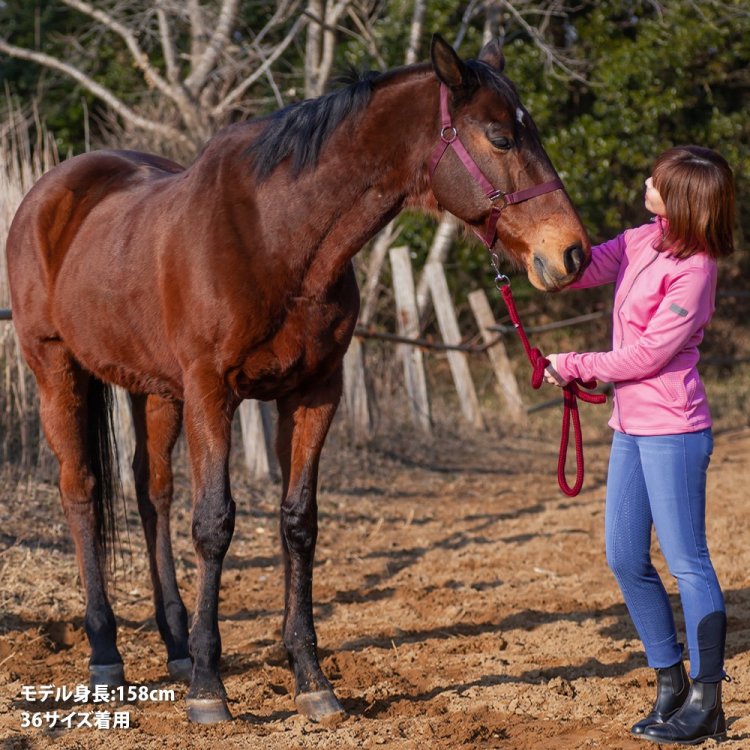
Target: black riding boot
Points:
(700, 718)
(672, 688)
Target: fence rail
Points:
(256, 417)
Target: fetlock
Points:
(700, 718)
(672, 689)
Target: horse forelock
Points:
(301, 130)
(488, 77)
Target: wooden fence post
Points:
(257, 439)
(355, 391)
(458, 361)
(408, 325)
(506, 380)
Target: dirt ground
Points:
(462, 602)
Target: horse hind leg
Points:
(70, 401)
(157, 424)
(304, 420)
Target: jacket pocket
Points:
(673, 386)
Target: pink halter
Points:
(449, 138)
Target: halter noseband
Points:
(449, 139)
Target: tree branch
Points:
(553, 57)
(240, 89)
(216, 45)
(332, 17)
(96, 89)
(150, 73)
(415, 32)
(284, 9)
(315, 11)
(367, 36)
(167, 45)
(198, 33)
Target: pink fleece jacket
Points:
(661, 308)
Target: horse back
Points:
(55, 208)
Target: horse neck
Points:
(372, 167)
(394, 136)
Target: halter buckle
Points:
(496, 195)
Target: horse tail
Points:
(102, 452)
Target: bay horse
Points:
(194, 288)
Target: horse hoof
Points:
(180, 670)
(321, 705)
(109, 675)
(207, 710)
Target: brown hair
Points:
(697, 187)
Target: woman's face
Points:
(653, 200)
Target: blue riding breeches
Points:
(660, 480)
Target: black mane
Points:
(301, 129)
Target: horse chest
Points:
(308, 346)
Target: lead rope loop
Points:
(571, 392)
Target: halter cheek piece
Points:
(499, 199)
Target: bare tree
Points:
(197, 60)
(323, 17)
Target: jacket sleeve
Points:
(686, 309)
(604, 265)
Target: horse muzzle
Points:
(552, 276)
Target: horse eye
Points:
(502, 143)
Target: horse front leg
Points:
(208, 412)
(304, 419)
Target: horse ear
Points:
(448, 66)
(492, 54)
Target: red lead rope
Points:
(571, 392)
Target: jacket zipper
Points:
(622, 327)
(619, 309)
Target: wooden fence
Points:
(255, 417)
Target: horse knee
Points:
(77, 488)
(213, 526)
(99, 621)
(299, 523)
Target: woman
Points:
(665, 284)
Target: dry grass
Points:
(23, 160)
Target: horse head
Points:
(490, 170)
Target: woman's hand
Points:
(551, 375)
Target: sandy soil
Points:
(462, 602)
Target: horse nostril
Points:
(573, 257)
